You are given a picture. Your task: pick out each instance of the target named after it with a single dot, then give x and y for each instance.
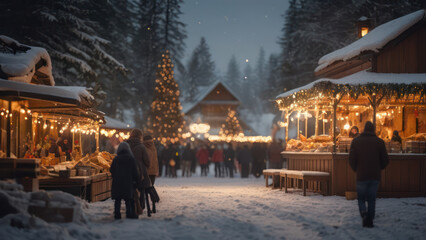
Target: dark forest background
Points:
(114, 47)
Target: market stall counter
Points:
(405, 176)
(91, 188)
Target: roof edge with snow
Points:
(374, 41)
(189, 106)
(23, 63)
(364, 78)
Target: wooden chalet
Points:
(211, 105)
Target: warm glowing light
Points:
(199, 128)
(347, 126)
(364, 31)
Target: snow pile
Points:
(365, 77)
(21, 65)
(374, 40)
(223, 208)
(19, 202)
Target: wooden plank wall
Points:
(407, 56)
(405, 176)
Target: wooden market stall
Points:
(380, 78)
(36, 121)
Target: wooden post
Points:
(306, 124)
(8, 130)
(334, 123)
(373, 105)
(286, 127)
(316, 122)
(98, 137)
(298, 125)
(18, 132)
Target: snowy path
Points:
(211, 208)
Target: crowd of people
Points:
(140, 160)
(227, 158)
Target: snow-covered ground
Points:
(223, 208)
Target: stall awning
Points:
(50, 99)
(364, 78)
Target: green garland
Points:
(330, 90)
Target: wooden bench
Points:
(305, 176)
(275, 174)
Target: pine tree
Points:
(232, 126)
(166, 119)
(233, 75)
(172, 33)
(192, 76)
(147, 52)
(199, 70)
(207, 65)
(68, 31)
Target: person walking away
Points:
(203, 159)
(160, 149)
(174, 161)
(217, 158)
(142, 163)
(245, 158)
(367, 157)
(148, 142)
(124, 180)
(229, 156)
(188, 157)
(274, 155)
(258, 154)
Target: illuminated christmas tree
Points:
(232, 126)
(166, 120)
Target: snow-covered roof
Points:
(374, 40)
(365, 77)
(80, 91)
(18, 61)
(203, 91)
(64, 94)
(114, 124)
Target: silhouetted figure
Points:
(367, 157)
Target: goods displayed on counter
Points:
(321, 143)
(88, 165)
(416, 143)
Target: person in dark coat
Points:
(259, 155)
(274, 155)
(142, 162)
(188, 157)
(229, 156)
(396, 137)
(66, 148)
(245, 158)
(124, 180)
(367, 157)
(354, 132)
